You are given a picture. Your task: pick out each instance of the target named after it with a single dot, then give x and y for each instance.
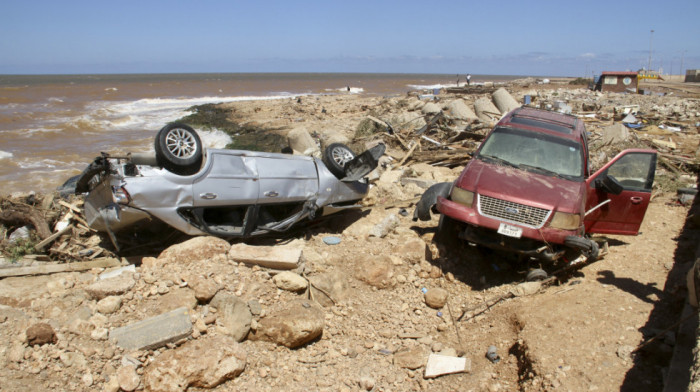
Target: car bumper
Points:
(483, 230)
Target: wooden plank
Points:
(46, 269)
(52, 237)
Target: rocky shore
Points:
(378, 310)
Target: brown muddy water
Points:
(52, 126)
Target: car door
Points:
(619, 193)
(225, 196)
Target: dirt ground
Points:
(578, 334)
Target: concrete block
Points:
(278, 257)
(154, 332)
(439, 365)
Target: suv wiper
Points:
(498, 160)
(542, 170)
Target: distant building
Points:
(692, 75)
(618, 82)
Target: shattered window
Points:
(534, 152)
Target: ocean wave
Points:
(5, 154)
(214, 138)
(55, 99)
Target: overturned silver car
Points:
(226, 193)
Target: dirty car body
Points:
(233, 193)
(529, 189)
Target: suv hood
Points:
(521, 186)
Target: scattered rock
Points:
(278, 256)
(329, 288)
(113, 286)
(436, 298)
(154, 332)
(377, 271)
(127, 378)
(233, 315)
(205, 363)
(290, 281)
(204, 289)
(410, 359)
(297, 324)
(109, 305)
(385, 227)
(195, 250)
(39, 334)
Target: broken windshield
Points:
(535, 152)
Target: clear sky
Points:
(513, 37)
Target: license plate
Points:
(510, 231)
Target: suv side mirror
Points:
(609, 184)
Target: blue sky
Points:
(554, 38)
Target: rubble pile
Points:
(363, 301)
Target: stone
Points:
(298, 323)
(177, 298)
(290, 281)
(109, 304)
(233, 315)
(154, 332)
(414, 250)
(386, 226)
(39, 334)
(504, 101)
(460, 111)
(410, 359)
(431, 108)
(204, 289)
(329, 288)
(486, 110)
(113, 286)
(436, 298)
(127, 378)
(278, 256)
(526, 288)
(614, 134)
(205, 363)
(112, 385)
(301, 141)
(377, 271)
(439, 365)
(195, 250)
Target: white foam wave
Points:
(5, 154)
(42, 164)
(214, 138)
(55, 99)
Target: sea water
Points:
(52, 126)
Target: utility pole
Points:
(651, 36)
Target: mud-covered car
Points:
(529, 190)
(226, 193)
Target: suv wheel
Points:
(179, 149)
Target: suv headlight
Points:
(462, 196)
(562, 220)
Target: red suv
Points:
(529, 189)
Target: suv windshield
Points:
(535, 152)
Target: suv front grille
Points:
(512, 212)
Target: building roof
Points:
(626, 73)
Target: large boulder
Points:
(234, 316)
(298, 323)
(614, 134)
(329, 288)
(195, 250)
(205, 363)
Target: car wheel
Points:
(587, 246)
(535, 275)
(336, 156)
(447, 231)
(179, 149)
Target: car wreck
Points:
(225, 193)
(529, 189)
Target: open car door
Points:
(618, 194)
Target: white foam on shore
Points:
(5, 154)
(347, 89)
(214, 138)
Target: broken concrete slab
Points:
(278, 257)
(439, 365)
(113, 286)
(154, 332)
(504, 101)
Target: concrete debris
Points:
(440, 365)
(153, 332)
(277, 257)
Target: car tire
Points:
(447, 232)
(336, 156)
(587, 246)
(179, 149)
(535, 275)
